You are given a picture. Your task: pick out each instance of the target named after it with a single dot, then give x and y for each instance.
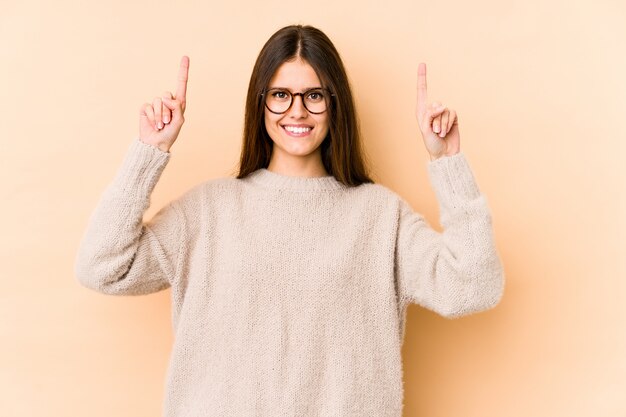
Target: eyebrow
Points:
(285, 88)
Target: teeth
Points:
(297, 129)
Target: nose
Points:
(297, 109)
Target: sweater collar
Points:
(274, 180)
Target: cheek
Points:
(270, 122)
(324, 124)
(268, 119)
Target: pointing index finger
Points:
(183, 74)
(422, 96)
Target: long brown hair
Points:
(342, 153)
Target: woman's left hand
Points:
(439, 125)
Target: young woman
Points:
(290, 282)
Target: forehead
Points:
(295, 75)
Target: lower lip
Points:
(298, 135)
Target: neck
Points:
(276, 181)
(298, 167)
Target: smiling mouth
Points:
(297, 131)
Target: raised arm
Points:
(119, 253)
(458, 271)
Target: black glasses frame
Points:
(293, 95)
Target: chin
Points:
(298, 150)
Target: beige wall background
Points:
(540, 93)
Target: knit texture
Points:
(289, 294)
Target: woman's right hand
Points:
(161, 120)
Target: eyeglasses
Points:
(279, 100)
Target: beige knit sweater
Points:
(289, 294)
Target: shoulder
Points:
(379, 198)
(385, 199)
(214, 185)
(378, 192)
(207, 190)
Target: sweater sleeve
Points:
(458, 271)
(119, 253)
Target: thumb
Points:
(434, 113)
(173, 105)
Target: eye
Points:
(315, 95)
(280, 95)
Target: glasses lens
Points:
(279, 100)
(315, 101)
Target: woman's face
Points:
(301, 148)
